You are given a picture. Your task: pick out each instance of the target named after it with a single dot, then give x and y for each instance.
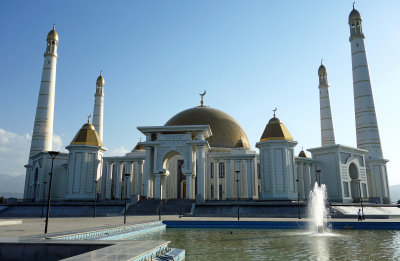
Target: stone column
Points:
(158, 185)
(216, 180)
(300, 178)
(249, 179)
(147, 170)
(200, 174)
(118, 181)
(139, 182)
(129, 168)
(307, 181)
(108, 179)
(189, 185)
(313, 175)
(208, 180)
(228, 178)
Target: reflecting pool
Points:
(276, 244)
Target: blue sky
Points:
(157, 56)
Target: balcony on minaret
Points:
(355, 24)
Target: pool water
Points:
(278, 244)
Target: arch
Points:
(175, 181)
(354, 174)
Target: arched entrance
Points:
(175, 180)
(355, 182)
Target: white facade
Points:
(84, 172)
(278, 172)
(343, 170)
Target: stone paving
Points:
(35, 226)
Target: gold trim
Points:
(358, 52)
(361, 81)
(360, 66)
(276, 138)
(361, 96)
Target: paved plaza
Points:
(35, 226)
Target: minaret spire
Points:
(42, 136)
(327, 132)
(366, 122)
(98, 109)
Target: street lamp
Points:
(318, 177)
(362, 208)
(44, 192)
(298, 197)
(53, 155)
(126, 175)
(238, 197)
(95, 198)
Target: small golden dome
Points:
(138, 147)
(354, 15)
(322, 70)
(100, 80)
(275, 130)
(87, 135)
(303, 154)
(226, 131)
(52, 35)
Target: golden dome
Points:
(275, 130)
(302, 154)
(100, 81)
(87, 135)
(354, 15)
(226, 131)
(52, 35)
(139, 147)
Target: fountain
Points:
(318, 212)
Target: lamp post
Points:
(318, 177)
(238, 197)
(95, 198)
(44, 192)
(298, 197)
(126, 175)
(53, 155)
(362, 208)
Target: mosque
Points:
(203, 154)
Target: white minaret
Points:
(99, 106)
(42, 136)
(327, 133)
(366, 122)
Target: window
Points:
(212, 170)
(259, 170)
(346, 189)
(212, 191)
(221, 169)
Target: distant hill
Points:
(394, 192)
(12, 186)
